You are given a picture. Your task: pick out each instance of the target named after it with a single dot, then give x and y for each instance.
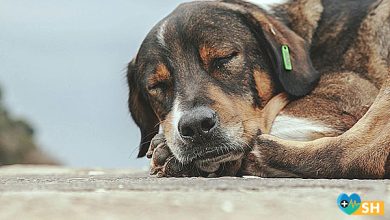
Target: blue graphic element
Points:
(349, 204)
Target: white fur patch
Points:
(297, 129)
(161, 33)
(176, 115)
(267, 4)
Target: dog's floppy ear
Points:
(140, 109)
(272, 35)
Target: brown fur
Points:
(236, 111)
(361, 152)
(162, 74)
(265, 85)
(271, 110)
(339, 100)
(207, 54)
(349, 48)
(302, 16)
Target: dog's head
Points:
(205, 72)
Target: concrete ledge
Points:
(36, 192)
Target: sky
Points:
(62, 68)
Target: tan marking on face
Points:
(161, 74)
(236, 114)
(264, 85)
(224, 105)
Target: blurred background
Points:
(63, 90)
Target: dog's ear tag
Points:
(286, 58)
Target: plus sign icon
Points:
(344, 203)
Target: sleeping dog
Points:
(228, 88)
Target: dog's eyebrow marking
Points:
(161, 73)
(161, 33)
(297, 129)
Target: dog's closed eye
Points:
(158, 86)
(220, 62)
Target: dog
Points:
(228, 88)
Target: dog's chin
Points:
(208, 157)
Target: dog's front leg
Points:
(361, 152)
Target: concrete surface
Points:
(38, 192)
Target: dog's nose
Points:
(198, 122)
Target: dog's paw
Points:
(255, 163)
(163, 163)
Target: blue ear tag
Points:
(286, 58)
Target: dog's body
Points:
(350, 47)
(346, 42)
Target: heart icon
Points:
(349, 204)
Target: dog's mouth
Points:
(209, 154)
(217, 157)
(211, 161)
